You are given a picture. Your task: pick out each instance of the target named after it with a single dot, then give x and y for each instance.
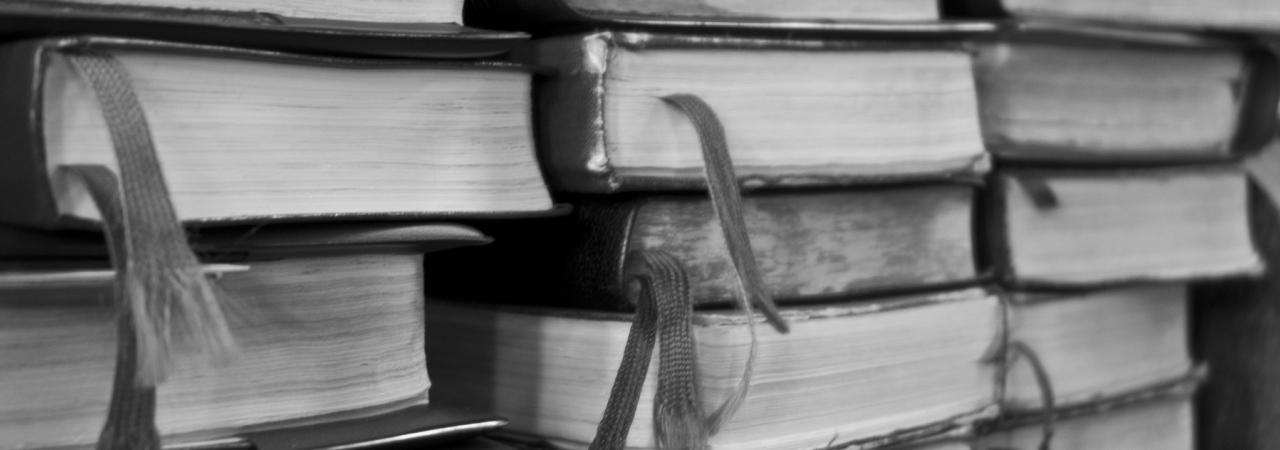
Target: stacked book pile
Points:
(1119, 181)
(214, 216)
(935, 234)
(682, 224)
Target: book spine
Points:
(997, 258)
(24, 183)
(570, 262)
(1259, 93)
(599, 253)
(572, 141)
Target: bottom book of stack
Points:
(328, 322)
(846, 373)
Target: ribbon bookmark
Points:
(657, 283)
(722, 183)
(131, 415)
(163, 293)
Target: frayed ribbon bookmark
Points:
(657, 283)
(162, 294)
(664, 314)
(726, 199)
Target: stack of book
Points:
(1120, 150)
(214, 217)
(869, 224)
(860, 152)
(1119, 182)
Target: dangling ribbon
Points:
(664, 312)
(659, 288)
(162, 293)
(726, 199)
(1020, 349)
(722, 183)
(131, 415)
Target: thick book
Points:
(847, 372)
(325, 333)
(245, 135)
(1081, 228)
(1237, 15)
(804, 16)
(1097, 343)
(1093, 96)
(426, 28)
(810, 245)
(795, 111)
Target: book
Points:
(1049, 95)
(1100, 343)
(378, 27)
(1082, 228)
(245, 135)
(546, 15)
(846, 372)
(810, 245)
(325, 333)
(1240, 15)
(798, 112)
(1165, 422)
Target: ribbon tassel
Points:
(162, 295)
(664, 314)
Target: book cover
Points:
(380, 27)
(810, 246)
(889, 19)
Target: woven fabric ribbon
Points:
(660, 290)
(131, 414)
(664, 313)
(162, 294)
(722, 183)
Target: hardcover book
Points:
(1110, 97)
(846, 373)
(810, 245)
(244, 135)
(795, 112)
(1081, 228)
(324, 332)
(722, 9)
(1098, 343)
